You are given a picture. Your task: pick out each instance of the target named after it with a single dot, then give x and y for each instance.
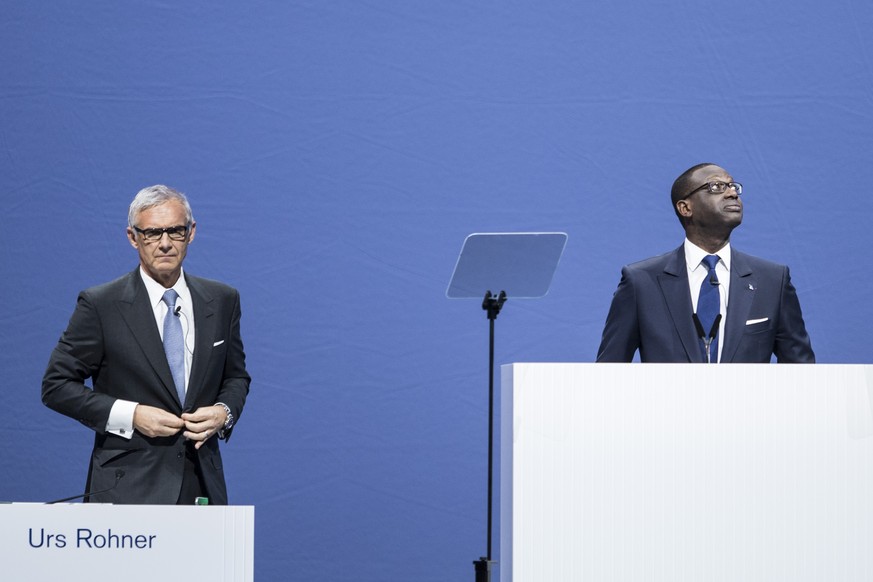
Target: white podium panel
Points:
(134, 543)
(674, 472)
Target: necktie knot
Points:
(709, 260)
(169, 298)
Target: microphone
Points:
(178, 313)
(713, 279)
(118, 475)
(707, 339)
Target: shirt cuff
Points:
(120, 421)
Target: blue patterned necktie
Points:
(708, 307)
(174, 343)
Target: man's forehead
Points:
(710, 173)
(168, 209)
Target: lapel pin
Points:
(751, 287)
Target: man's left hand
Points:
(203, 423)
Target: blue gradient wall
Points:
(337, 154)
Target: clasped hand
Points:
(198, 426)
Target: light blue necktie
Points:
(174, 343)
(708, 307)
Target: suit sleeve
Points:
(235, 380)
(77, 357)
(621, 333)
(792, 341)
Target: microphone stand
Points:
(118, 475)
(491, 304)
(707, 339)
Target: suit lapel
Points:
(205, 322)
(138, 315)
(674, 287)
(742, 294)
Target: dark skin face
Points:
(710, 218)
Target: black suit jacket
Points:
(651, 312)
(112, 339)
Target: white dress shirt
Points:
(697, 272)
(121, 415)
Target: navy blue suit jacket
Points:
(112, 339)
(651, 312)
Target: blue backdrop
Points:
(336, 155)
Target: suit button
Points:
(178, 455)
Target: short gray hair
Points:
(155, 196)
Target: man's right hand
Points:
(154, 422)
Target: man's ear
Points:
(683, 207)
(131, 238)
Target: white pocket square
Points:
(218, 343)
(754, 321)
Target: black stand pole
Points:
(492, 304)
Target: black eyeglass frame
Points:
(720, 186)
(148, 234)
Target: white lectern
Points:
(686, 472)
(134, 543)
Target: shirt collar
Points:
(694, 255)
(156, 290)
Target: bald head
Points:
(690, 180)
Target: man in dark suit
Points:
(164, 354)
(656, 304)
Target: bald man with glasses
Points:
(705, 301)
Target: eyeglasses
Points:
(177, 233)
(718, 188)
